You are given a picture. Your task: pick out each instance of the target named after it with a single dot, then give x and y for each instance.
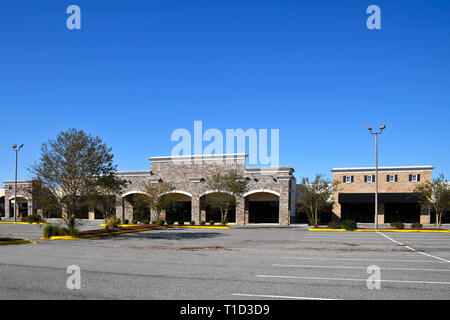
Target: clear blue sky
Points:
(137, 70)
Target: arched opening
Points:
(22, 207)
(263, 207)
(212, 203)
(136, 207)
(180, 209)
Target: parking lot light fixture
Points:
(382, 127)
(15, 181)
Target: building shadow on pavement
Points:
(164, 235)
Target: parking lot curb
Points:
(120, 225)
(20, 241)
(381, 230)
(20, 222)
(202, 227)
(91, 236)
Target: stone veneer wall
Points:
(22, 191)
(190, 177)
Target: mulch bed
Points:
(139, 227)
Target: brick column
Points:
(337, 209)
(425, 216)
(128, 210)
(203, 215)
(30, 207)
(240, 211)
(91, 213)
(380, 213)
(7, 207)
(153, 216)
(195, 209)
(120, 213)
(246, 212)
(162, 215)
(283, 215)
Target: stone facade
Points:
(188, 174)
(401, 184)
(23, 197)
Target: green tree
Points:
(76, 168)
(435, 194)
(159, 197)
(228, 187)
(43, 197)
(315, 196)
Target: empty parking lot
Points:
(240, 263)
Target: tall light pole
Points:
(376, 169)
(15, 181)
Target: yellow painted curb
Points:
(21, 241)
(380, 230)
(20, 222)
(201, 227)
(121, 225)
(174, 226)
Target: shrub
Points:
(202, 222)
(134, 221)
(180, 222)
(416, 225)
(48, 231)
(153, 221)
(192, 223)
(349, 225)
(125, 221)
(112, 222)
(161, 222)
(73, 232)
(145, 221)
(53, 231)
(169, 222)
(333, 225)
(211, 222)
(397, 225)
(33, 218)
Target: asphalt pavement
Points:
(254, 262)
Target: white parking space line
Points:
(277, 297)
(348, 259)
(412, 249)
(375, 238)
(350, 279)
(350, 267)
(373, 241)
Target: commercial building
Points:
(269, 199)
(271, 195)
(354, 197)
